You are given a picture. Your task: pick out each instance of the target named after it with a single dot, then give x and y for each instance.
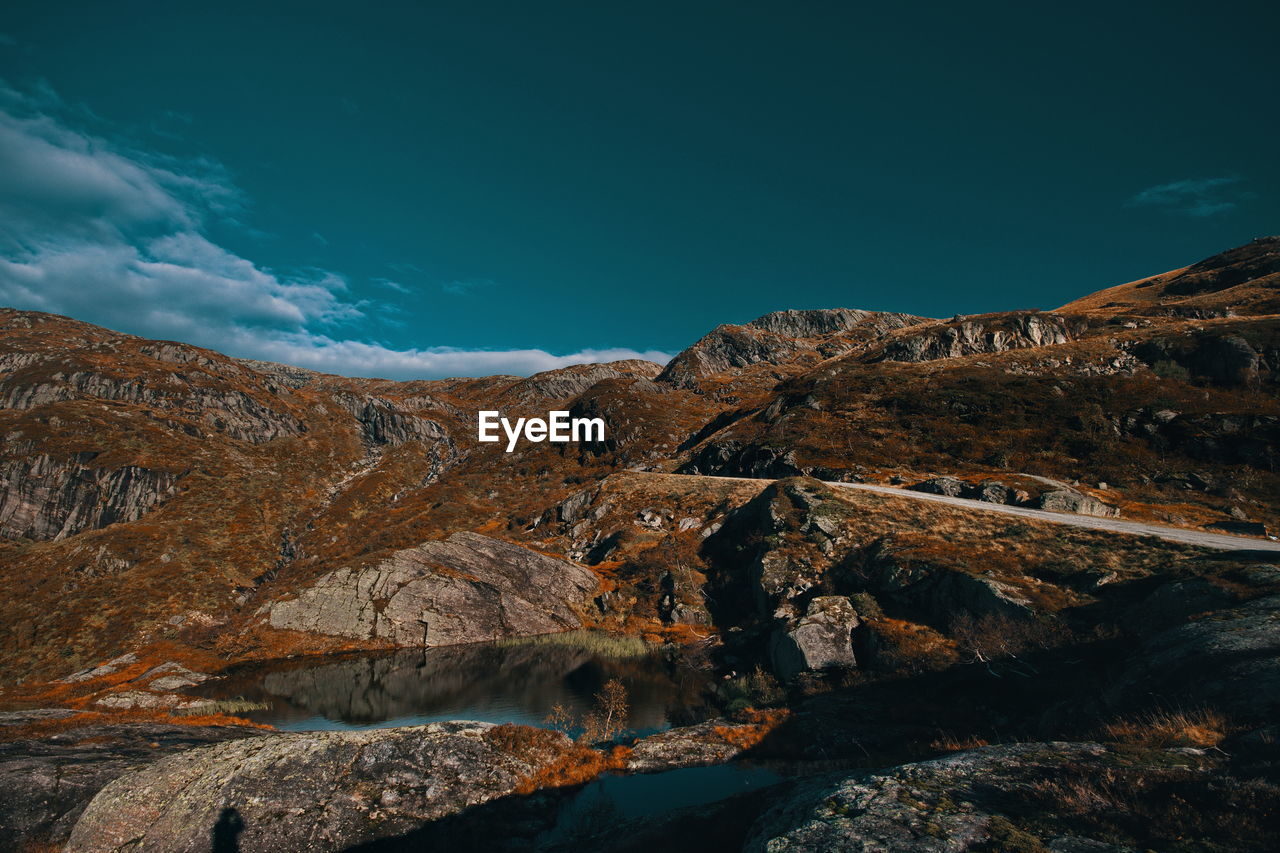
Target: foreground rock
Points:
(1228, 659)
(1059, 797)
(47, 782)
(312, 791)
(468, 588)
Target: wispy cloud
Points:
(392, 285)
(1195, 197)
(117, 236)
(458, 287)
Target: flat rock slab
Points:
(46, 783)
(304, 791)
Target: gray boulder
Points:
(822, 638)
(1069, 500)
(467, 588)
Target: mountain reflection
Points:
(492, 682)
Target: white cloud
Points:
(1195, 197)
(116, 237)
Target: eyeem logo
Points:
(558, 427)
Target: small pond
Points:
(511, 681)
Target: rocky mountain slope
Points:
(173, 511)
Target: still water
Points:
(507, 682)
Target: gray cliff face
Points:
(45, 498)
(385, 424)
(468, 588)
(975, 335)
(311, 791)
(221, 409)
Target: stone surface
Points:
(307, 791)
(1228, 660)
(947, 805)
(468, 588)
(822, 638)
(47, 782)
(981, 334)
(1068, 500)
(688, 746)
(42, 497)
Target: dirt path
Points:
(1219, 541)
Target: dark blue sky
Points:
(355, 186)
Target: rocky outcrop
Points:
(465, 589)
(216, 406)
(384, 424)
(942, 593)
(821, 639)
(1225, 360)
(994, 798)
(47, 782)
(700, 745)
(982, 334)
(312, 791)
(1060, 499)
(1229, 660)
(780, 338)
(42, 497)
(568, 382)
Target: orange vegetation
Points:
(757, 725)
(559, 762)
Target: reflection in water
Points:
(483, 681)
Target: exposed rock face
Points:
(822, 638)
(1228, 660)
(221, 409)
(985, 334)
(1227, 360)
(571, 381)
(384, 424)
(47, 783)
(968, 801)
(46, 498)
(943, 593)
(781, 337)
(798, 528)
(313, 791)
(467, 588)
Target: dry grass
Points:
(1163, 729)
(755, 726)
(946, 742)
(558, 762)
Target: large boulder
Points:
(822, 638)
(1069, 500)
(467, 588)
(307, 791)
